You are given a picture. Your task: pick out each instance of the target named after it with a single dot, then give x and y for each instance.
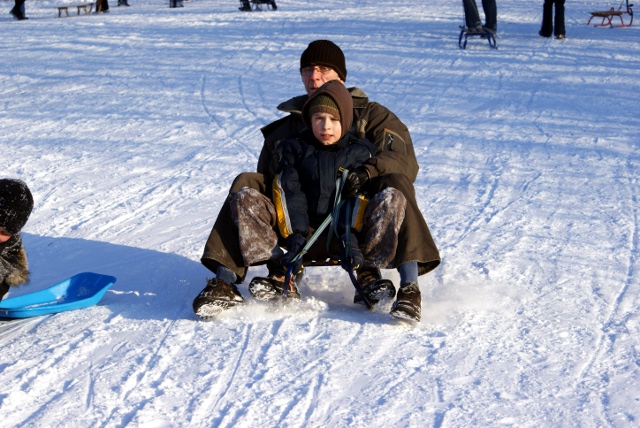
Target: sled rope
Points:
(337, 201)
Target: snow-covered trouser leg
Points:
(415, 242)
(255, 217)
(222, 246)
(471, 14)
(383, 217)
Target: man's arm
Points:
(274, 134)
(277, 131)
(392, 140)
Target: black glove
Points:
(294, 244)
(351, 257)
(354, 182)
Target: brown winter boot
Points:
(216, 297)
(373, 286)
(408, 303)
(267, 288)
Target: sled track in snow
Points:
(621, 310)
(12, 328)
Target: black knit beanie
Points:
(16, 203)
(327, 53)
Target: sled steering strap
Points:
(337, 203)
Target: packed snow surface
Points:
(130, 126)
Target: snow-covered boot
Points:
(272, 288)
(267, 288)
(216, 297)
(408, 303)
(373, 286)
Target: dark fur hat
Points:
(16, 203)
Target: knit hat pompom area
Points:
(333, 98)
(327, 53)
(16, 204)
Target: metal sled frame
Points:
(608, 16)
(465, 34)
(259, 4)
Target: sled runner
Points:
(253, 5)
(465, 33)
(608, 16)
(80, 291)
(87, 8)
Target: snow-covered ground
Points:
(130, 126)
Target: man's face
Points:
(315, 76)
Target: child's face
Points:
(4, 235)
(326, 128)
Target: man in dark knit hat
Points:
(16, 204)
(394, 166)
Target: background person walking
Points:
(472, 16)
(549, 25)
(18, 10)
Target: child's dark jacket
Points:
(307, 174)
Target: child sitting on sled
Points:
(16, 204)
(362, 233)
(304, 192)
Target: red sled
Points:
(609, 15)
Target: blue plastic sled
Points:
(80, 291)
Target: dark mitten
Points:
(354, 182)
(295, 244)
(352, 257)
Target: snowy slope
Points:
(130, 126)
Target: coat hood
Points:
(341, 96)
